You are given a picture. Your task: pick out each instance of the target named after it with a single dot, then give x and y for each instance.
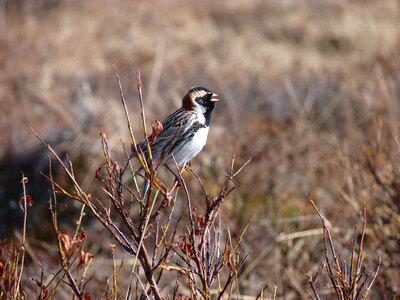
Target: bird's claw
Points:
(179, 180)
(188, 166)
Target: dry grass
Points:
(311, 88)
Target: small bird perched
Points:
(184, 133)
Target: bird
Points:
(183, 133)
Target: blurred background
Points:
(310, 88)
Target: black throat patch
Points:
(207, 115)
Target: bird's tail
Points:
(146, 186)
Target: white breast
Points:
(191, 148)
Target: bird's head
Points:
(199, 99)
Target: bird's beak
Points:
(213, 98)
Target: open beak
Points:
(213, 98)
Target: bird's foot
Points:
(188, 166)
(179, 180)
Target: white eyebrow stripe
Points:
(199, 94)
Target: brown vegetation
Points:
(310, 90)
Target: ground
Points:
(310, 89)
